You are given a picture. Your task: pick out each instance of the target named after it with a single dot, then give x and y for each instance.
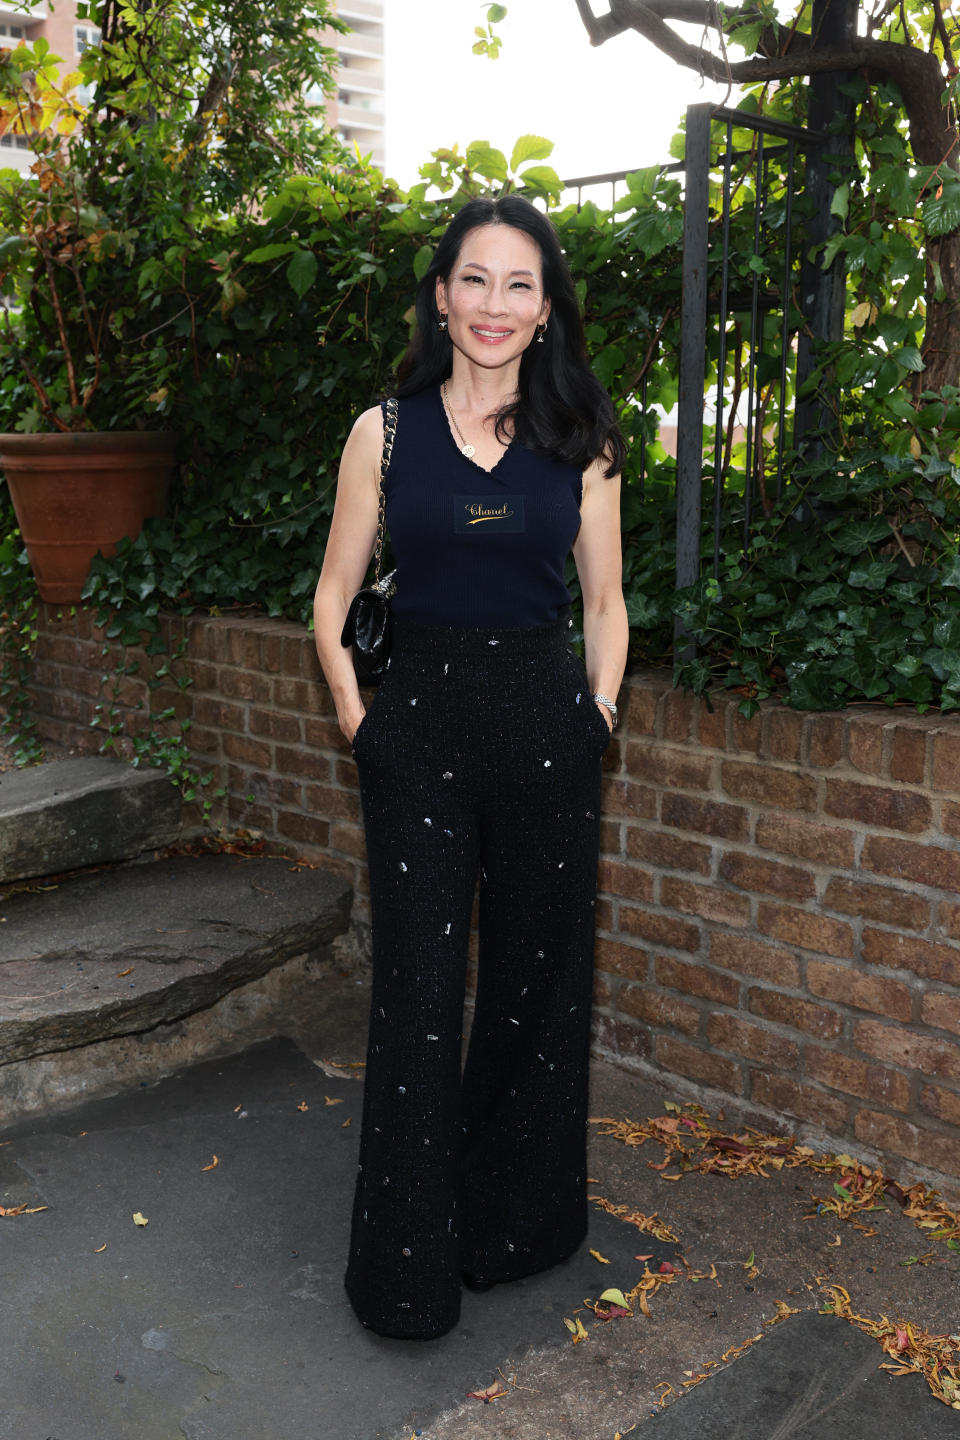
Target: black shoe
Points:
(472, 1283)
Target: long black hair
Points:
(561, 409)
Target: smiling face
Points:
(493, 296)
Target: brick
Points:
(628, 881)
(298, 696)
(244, 685)
(307, 829)
(658, 928)
(603, 990)
(941, 1104)
(789, 1097)
(950, 818)
(826, 844)
(271, 652)
(204, 742)
(325, 735)
(878, 805)
(206, 678)
(883, 903)
(897, 1046)
(697, 980)
(768, 785)
(248, 752)
(666, 851)
(640, 710)
(753, 1042)
(807, 930)
(865, 745)
(856, 1077)
(274, 723)
(862, 992)
(300, 657)
(303, 762)
(668, 768)
(941, 1011)
(753, 957)
(605, 913)
(826, 740)
(796, 1013)
(685, 1059)
(621, 959)
(749, 872)
(946, 760)
(332, 802)
(221, 714)
(924, 1147)
(656, 1008)
(705, 817)
(905, 952)
(349, 838)
(622, 1037)
(783, 735)
(620, 797)
(265, 787)
(712, 724)
(252, 817)
(708, 902)
(746, 734)
(675, 716)
(908, 754)
(611, 835)
(910, 860)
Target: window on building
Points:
(11, 32)
(14, 142)
(84, 37)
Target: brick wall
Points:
(779, 917)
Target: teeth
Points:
(493, 334)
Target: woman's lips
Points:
(490, 336)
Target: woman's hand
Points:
(350, 723)
(606, 715)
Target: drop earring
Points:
(541, 331)
(442, 322)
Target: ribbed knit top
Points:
(476, 548)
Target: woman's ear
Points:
(441, 296)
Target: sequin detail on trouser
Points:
(480, 754)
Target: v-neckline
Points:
(445, 418)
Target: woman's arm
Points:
(353, 533)
(600, 567)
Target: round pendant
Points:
(468, 450)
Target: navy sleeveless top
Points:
(476, 548)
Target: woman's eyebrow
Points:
(475, 265)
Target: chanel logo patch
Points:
(476, 514)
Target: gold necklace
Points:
(465, 448)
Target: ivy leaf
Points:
(270, 252)
(421, 261)
(486, 160)
(542, 178)
(302, 271)
(530, 147)
(941, 213)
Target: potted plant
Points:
(82, 471)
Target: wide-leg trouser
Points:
(481, 751)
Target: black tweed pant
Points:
(481, 752)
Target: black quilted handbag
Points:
(367, 626)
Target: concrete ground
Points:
(224, 1317)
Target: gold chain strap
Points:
(389, 435)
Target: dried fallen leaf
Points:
(139, 1219)
(576, 1329)
(101, 1249)
(597, 1256)
(213, 1164)
(303, 1106)
(835, 1243)
(496, 1391)
(345, 1124)
(332, 1100)
(122, 973)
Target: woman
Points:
(481, 753)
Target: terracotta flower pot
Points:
(77, 494)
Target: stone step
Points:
(118, 952)
(89, 811)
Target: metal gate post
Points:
(693, 321)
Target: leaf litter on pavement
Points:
(693, 1144)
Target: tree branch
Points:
(601, 29)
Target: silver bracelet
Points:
(605, 700)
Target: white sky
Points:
(614, 107)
